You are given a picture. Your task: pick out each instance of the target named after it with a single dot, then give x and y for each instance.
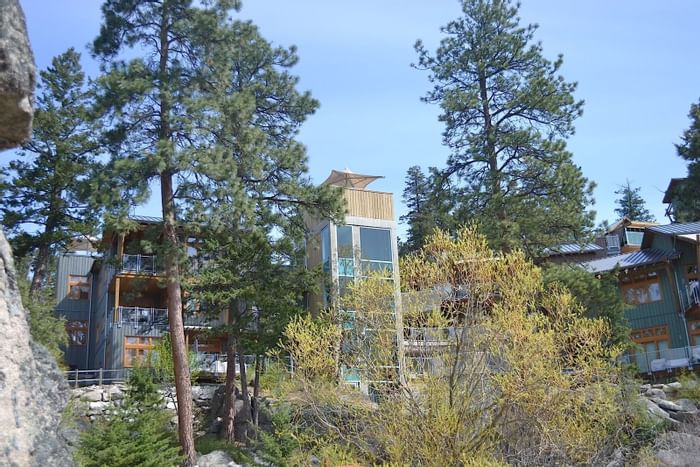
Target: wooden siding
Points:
(369, 204)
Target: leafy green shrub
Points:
(690, 387)
(278, 447)
(162, 361)
(137, 434)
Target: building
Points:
(365, 241)
(659, 283)
(115, 303)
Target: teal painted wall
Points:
(660, 313)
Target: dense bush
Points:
(138, 433)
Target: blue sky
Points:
(636, 63)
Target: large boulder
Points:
(678, 449)
(33, 391)
(17, 76)
(216, 459)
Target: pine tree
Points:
(213, 118)
(686, 202)
(507, 115)
(631, 204)
(138, 433)
(250, 222)
(428, 205)
(46, 193)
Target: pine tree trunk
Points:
(183, 387)
(243, 436)
(255, 408)
(230, 388)
(41, 266)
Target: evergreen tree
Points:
(507, 115)
(630, 204)
(209, 111)
(250, 222)
(686, 202)
(138, 433)
(428, 204)
(46, 192)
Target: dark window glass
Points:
(326, 249)
(375, 244)
(344, 241)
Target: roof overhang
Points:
(349, 179)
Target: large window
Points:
(375, 250)
(346, 258)
(643, 290)
(137, 348)
(633, 236)
(694, 331)
(653, 341)
(326, 249)
(78, 287)
(77, 332)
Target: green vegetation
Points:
(138, 433)
(161, 359)
(46, 328)
(631, 205)
(507, 113)
(686, 207)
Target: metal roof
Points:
(573, 248)
(679, 228)
(629, 260)
(146, 219)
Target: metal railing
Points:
(143, 264)
(429, 335)
(77, 378)
(693, 293)
(663, 360)
(139, 316)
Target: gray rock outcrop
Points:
(17, 76)
(33, 392)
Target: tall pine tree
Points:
(209, 111)
(686, 202)
(249, 219)
(46, 192)
(507, 115)
(151, 87)
(630, 204)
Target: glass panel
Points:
(346, 267)
(375, 244)
(654, 292)
(343, 283)
(634, 238)
(326, 249)
(344, 241)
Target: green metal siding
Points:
(660, 313)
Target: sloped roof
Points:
(146, 219)
(627, 222)
(679, 228)
(349, 179)
(629, 260)
(573, 249)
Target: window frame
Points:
(140, 347)
(639, 284)
(72, 328)
(76, 280)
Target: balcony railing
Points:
(664, 360)
(693, 291)
(429, 336)
(139, 316)
(141, 264)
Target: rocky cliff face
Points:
(17, 76)
(33, 392)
